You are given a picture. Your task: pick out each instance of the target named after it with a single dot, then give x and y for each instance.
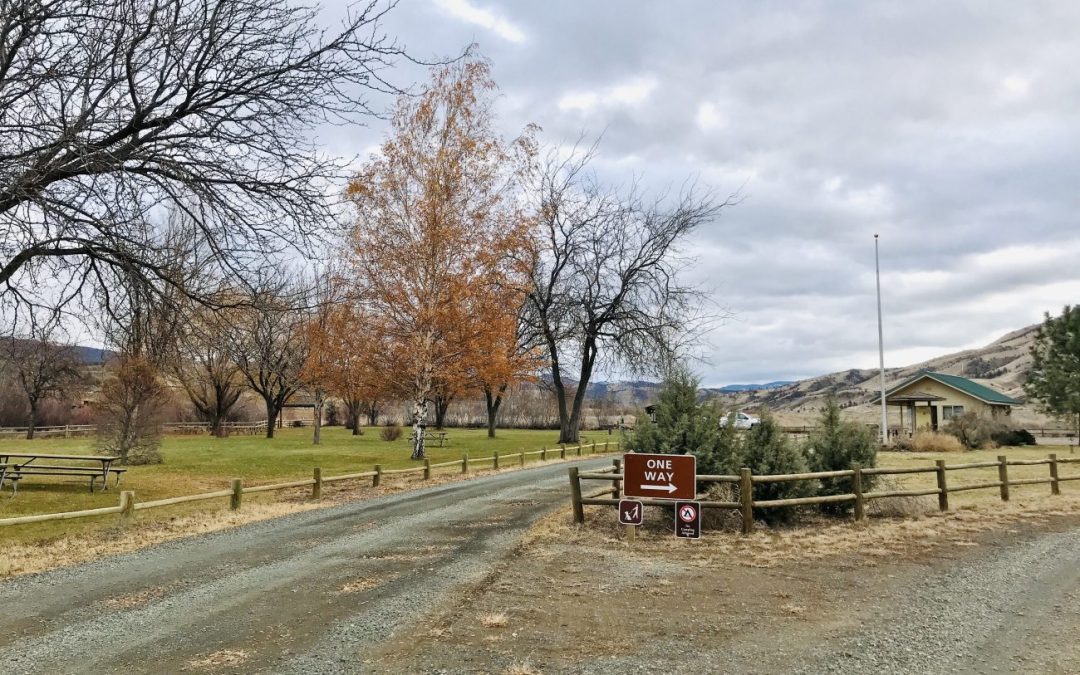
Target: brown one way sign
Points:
(660, 476)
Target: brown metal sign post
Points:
(659, 476)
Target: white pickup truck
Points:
(742, 420)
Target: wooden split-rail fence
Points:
(858, 497)
(128, 506)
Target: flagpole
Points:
(881, 347)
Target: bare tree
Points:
(203, 365)
(41, 366)
(605, 286)
(129, 406)
(110, 108)
(269, 344)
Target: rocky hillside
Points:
(1000, 365)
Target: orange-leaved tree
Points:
(437, 219)
(352, 361)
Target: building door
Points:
(933, 417)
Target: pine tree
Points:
(1054, 378)
(835, 446)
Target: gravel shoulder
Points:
(1002, 599)
(309, 593)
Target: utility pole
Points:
(881, 347)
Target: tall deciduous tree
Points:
(351, 358)
(437, 225)
(112, 107)
(1054, 378)
(269, 344)
(203, 365)
(41, 366)
(605, 283)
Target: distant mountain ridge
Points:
(728, 388)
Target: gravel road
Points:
(303, 594)
(1014, 610)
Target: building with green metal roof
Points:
(930, 399)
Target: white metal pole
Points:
(881, 347)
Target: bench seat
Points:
(15, 472)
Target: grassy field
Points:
(971, 476)
(195, 464)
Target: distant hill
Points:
(730, 388)
(92, 356)
(1001, 365)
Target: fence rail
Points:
(235, 493)
(78, 430)
(858, 496)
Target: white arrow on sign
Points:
(669, 488)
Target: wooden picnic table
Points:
(440, 438)
(13, 470)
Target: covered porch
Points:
(917, 411)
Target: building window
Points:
(950, 411)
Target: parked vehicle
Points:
(742, 420)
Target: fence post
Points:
(1055, 488)
(746, 500)
(127, 508)
(1003, 476)
(856, 484)
(606, 450)
(377, 478)
(427, 469)
(575, 496)
(465, 463)
(617, 485)
(237, 494)
(543, 453)
(593, 451)
(496, 462)
(579, 449)
(943, 488)
(316, 488)
(67, 431)
(562, 452)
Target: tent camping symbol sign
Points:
(659, 476)
(688, 520)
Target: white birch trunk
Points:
(419, 419)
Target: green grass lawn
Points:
(196, 464)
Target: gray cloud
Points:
(948, 128)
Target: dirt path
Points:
(309, 593)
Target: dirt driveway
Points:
(1006, 599)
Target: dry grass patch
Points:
(229, 658)
(936, 441)
(29, 558)
(522, 669)
(136, 599)
(494, 620)
(875, 539)
(362, 584)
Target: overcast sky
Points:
(952, 129)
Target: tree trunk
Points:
(271, 418)
(419, 424)
(493, 402)
(441, 404)
(31, 421)
(373, 414)
(317, 437)
(569, 431)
